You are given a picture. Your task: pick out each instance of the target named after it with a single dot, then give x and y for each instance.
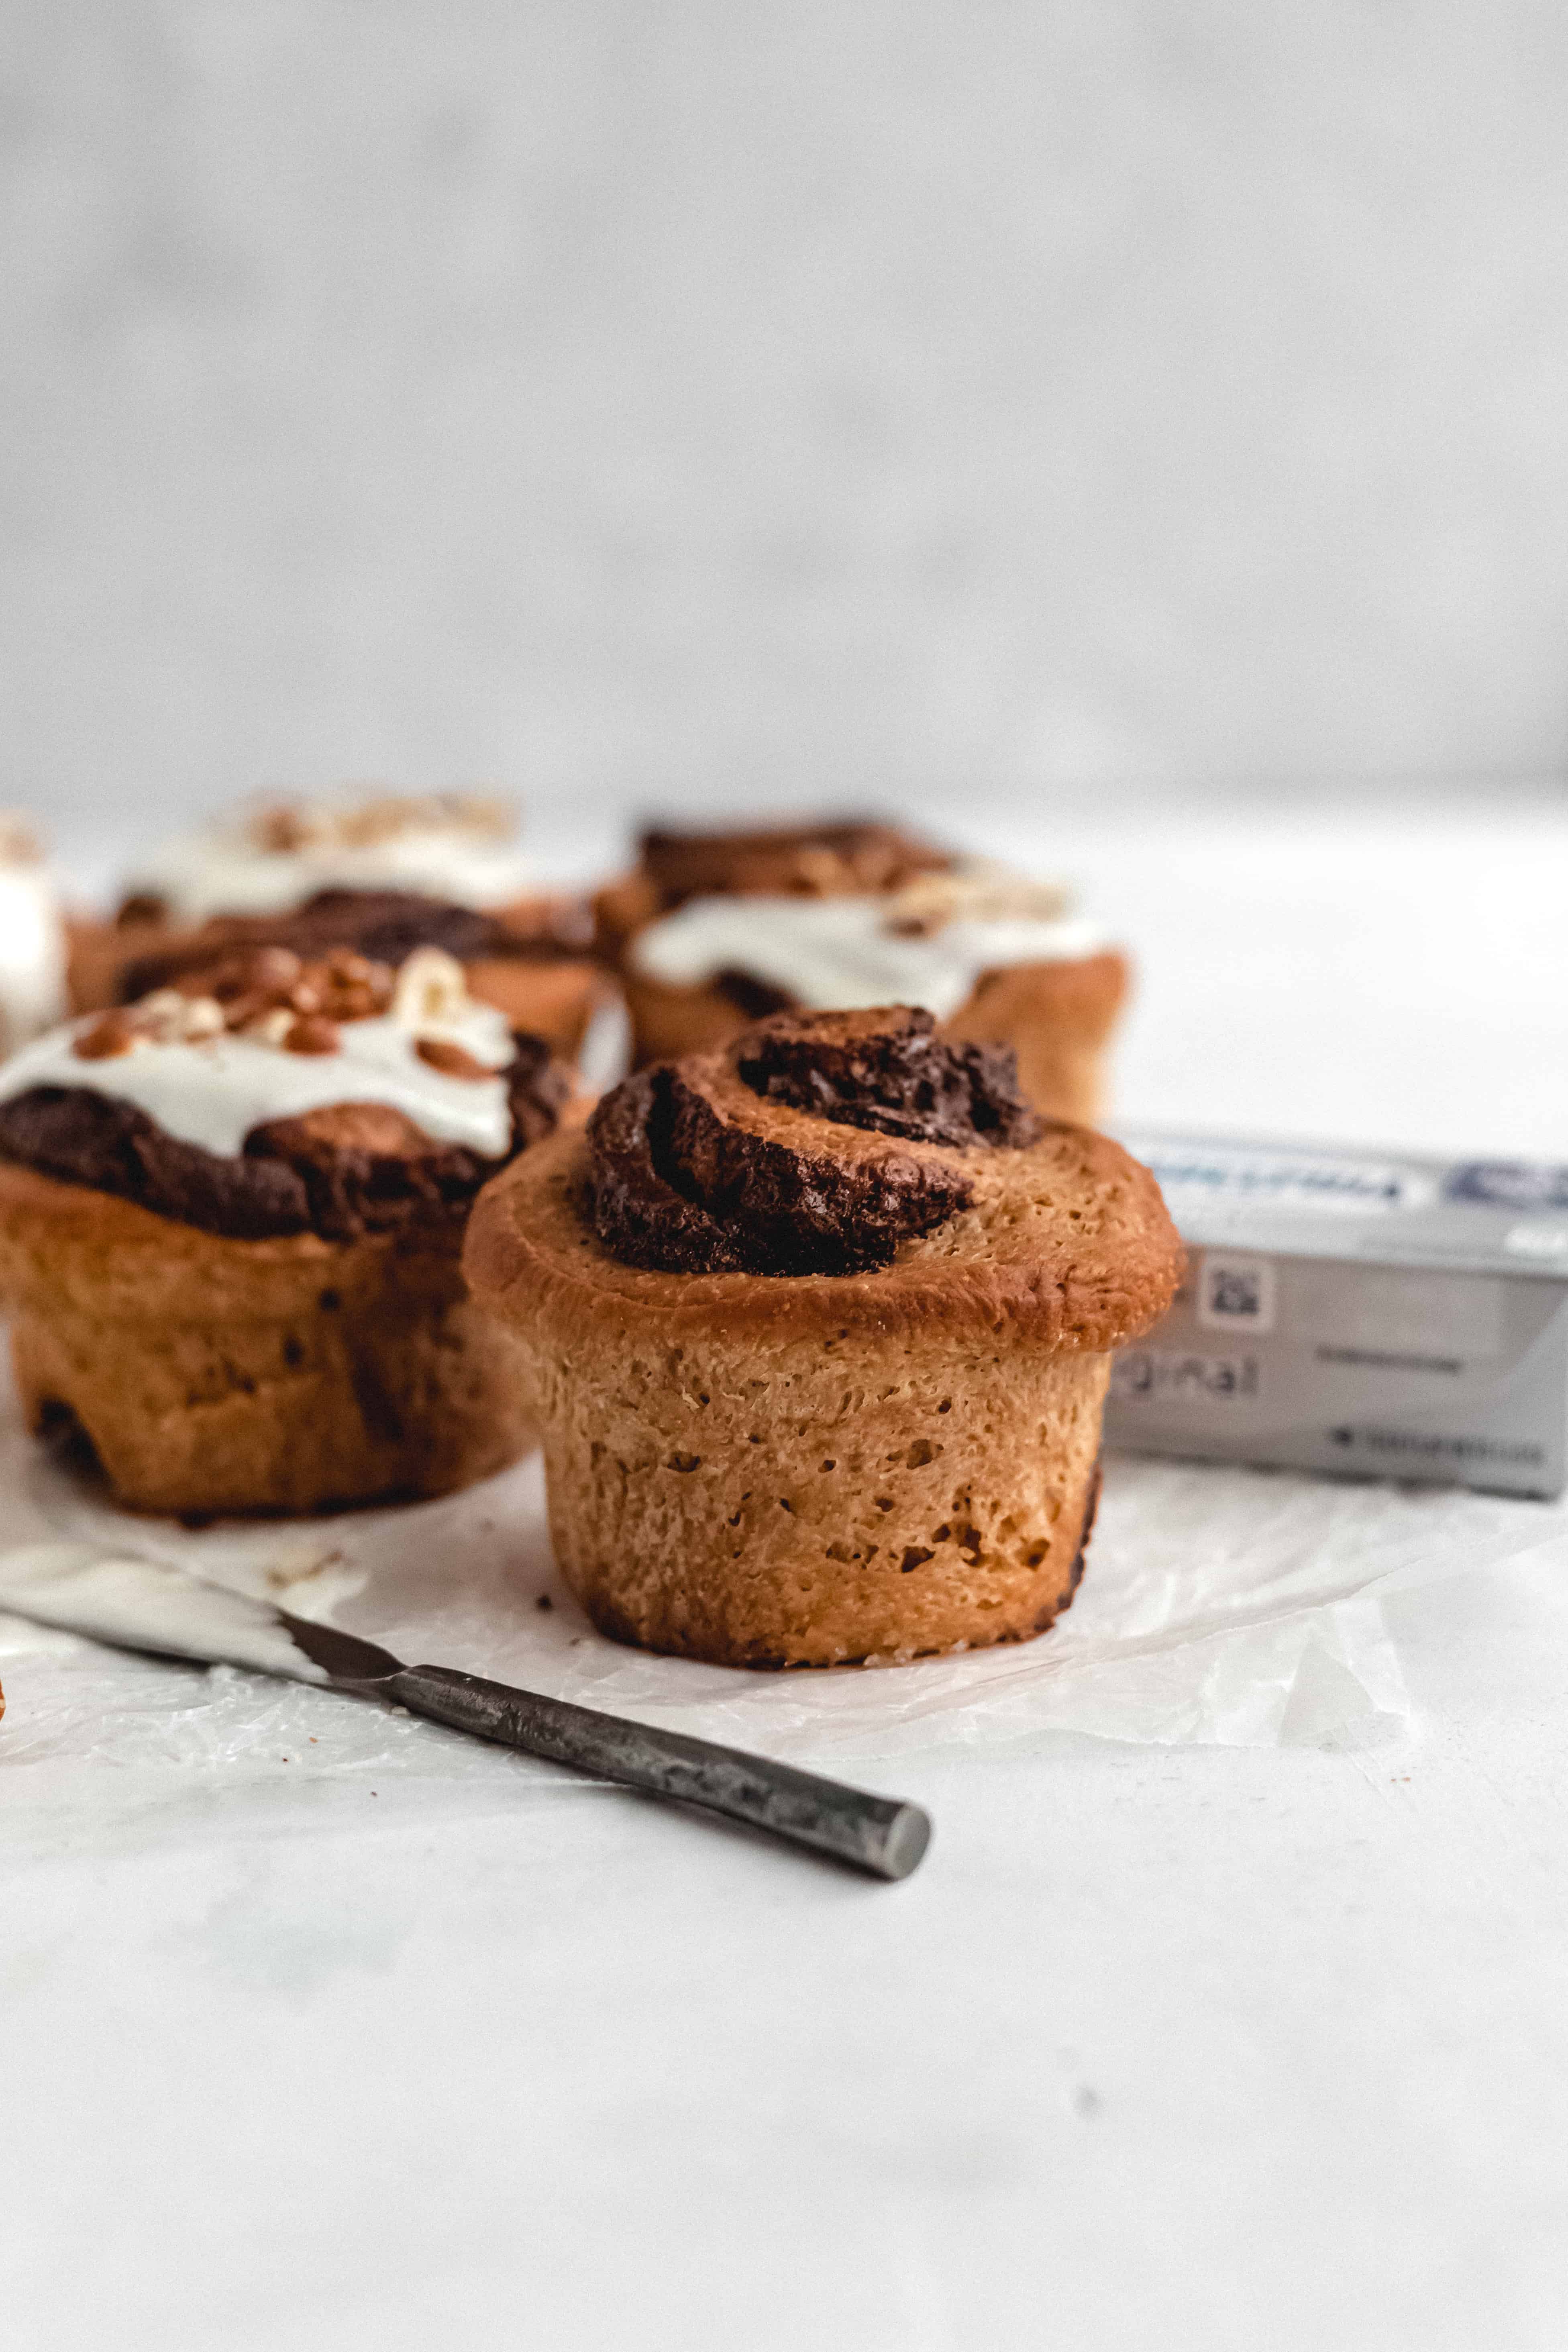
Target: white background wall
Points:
(829, 396)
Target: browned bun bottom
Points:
(1058, 1018)
(813, 1469)
(821, 1502)
(289, 1374)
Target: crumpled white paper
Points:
(1228, 1606)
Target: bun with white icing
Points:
(383, 873)
(818, 1331)
(268, 858)
(715, 931)
(231, 1217)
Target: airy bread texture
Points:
(214, 1376)
(772, 1470)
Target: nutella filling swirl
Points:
(269, 1096)
(679, 1184)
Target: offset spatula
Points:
(138, 1604)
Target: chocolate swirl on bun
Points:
(718, 1163)
(891, 1451)
(347, 1169)
(891, 1072)
(340, 1169)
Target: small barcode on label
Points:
(1236, 1292)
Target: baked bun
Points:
(383, 873)
(231, 1218)
(817, 1330)
(715, 931)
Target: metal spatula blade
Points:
(149, 1606)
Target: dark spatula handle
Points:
(877, 1834)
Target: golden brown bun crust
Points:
(96, 954)
(554, 1001)
(813, 1469)
(1068, 1239)
(621, 910)
(1058, 1019)
(283, 1375)
(817, 1502)
(785, 1470)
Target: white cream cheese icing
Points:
(235, 868)
(85, 1587)
(212, 1090)
(839, 954)
(32, 941)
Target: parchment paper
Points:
(1229, 1606)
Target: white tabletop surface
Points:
(1229, 2047)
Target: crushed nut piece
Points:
(312, 1033)
(977, 893)
(171, 1018)
(452, 1061)
(283, 828)
(270, 995)
(110, 1034)
(272, 1028)
(431, 991)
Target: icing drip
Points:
(211, 1088)
(844, 953)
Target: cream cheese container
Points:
(1367, 1314)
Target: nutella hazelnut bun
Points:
(383, 872)
(231, 1218)
(817, 1331)
(715, 931)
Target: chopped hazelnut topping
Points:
(112, 1033)
(283, 828)
(349, 986)
(312, 1033)
(172, 1018)
(431, 990)
(271, 995)
(978, 893)
(452, 1061)
(272, 1028)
